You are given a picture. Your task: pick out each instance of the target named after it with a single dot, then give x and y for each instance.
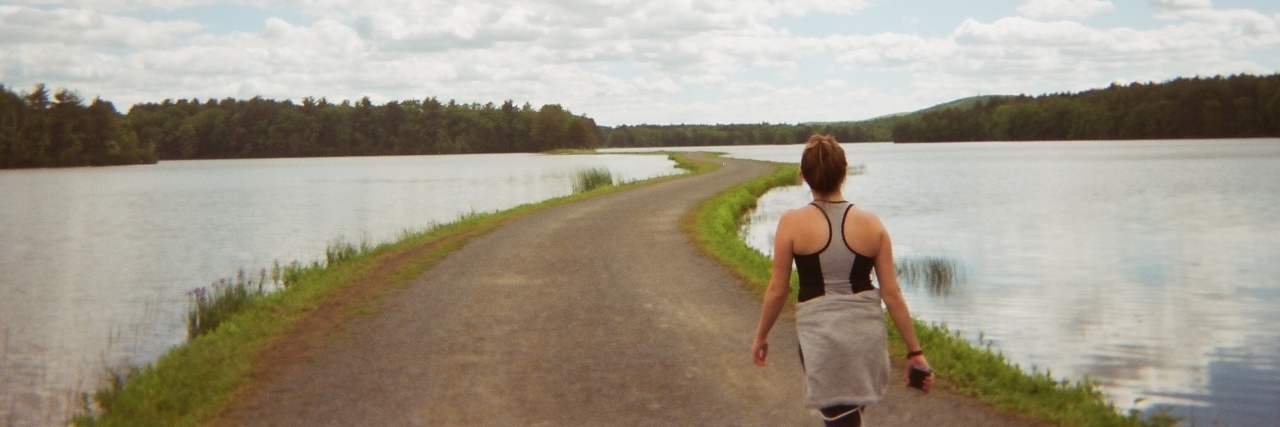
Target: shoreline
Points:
(978, 371)
(179, 381)
(192, 382)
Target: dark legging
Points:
(842, 416)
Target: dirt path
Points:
(596, 313)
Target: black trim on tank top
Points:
(860, 274)
(844, 222)
(829, 236)
(809, 268)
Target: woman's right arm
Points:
(775, 295)
(886, 274)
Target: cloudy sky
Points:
(630, 62)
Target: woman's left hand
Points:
(918, 361)
(760, 351)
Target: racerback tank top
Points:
(836, 268)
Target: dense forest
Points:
(38, 129)
(733, 134)
(267, 128)
(878, 129)
(1239, 106)
(37, 132)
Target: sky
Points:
(630, 62)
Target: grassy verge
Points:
(976, 371)
(234, 322)
(571, 151)
(714, 226)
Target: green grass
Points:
(977, 371)
(714, 226)
(194, 381)
(688, 164)
(591, 179)
(213, 304)
(571, 151)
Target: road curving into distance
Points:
(594, 313)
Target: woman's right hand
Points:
(760, 351)
(918, 361)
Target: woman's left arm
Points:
(887, 275)
(779, 288)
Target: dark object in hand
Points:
(917, 376)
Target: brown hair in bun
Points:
(823, 165)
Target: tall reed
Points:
(938, 274)
(224, 298)
(589, 179)
(213, 304)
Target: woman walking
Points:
(835, 247)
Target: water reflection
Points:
(1147, 266)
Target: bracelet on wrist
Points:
(911, 354)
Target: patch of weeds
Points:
(592, 178)
(938, 274)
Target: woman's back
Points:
(862, 230)
(836, 267)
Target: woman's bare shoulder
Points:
(865, 217)
(799, 212)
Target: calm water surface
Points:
(95, 263)
(1151, 267)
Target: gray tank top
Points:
(835, 269)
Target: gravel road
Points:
(594, 313)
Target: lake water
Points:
(1152, 267)
(95, 263)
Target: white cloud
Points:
(25, 25)
(661, 85)
(1240, 29)
(801, 7)
(1041, 9)
(891, 50)
(114, 6)
(681, 60)
(1018, 55)
(1181, 4)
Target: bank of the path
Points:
(594, 313)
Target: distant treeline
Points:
(267, 128)
(1239, 106)
(732, 134)
(38, 132)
